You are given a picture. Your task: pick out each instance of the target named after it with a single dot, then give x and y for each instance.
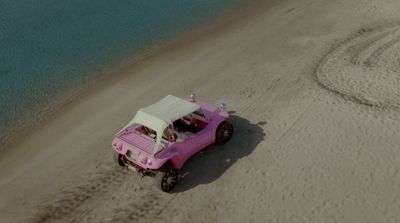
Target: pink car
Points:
(163, 136)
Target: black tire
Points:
(224, 132)
(118, 159)
(167, 179)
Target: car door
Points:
(196, 142)
(201, 139)
(192, 144)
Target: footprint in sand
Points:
(366, 68)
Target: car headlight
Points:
(222, 106)
(193, 96)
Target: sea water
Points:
(49, 47)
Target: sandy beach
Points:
(314, 91)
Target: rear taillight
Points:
(146, 161)
(117, 147)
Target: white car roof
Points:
(169, 109)
(163, 113)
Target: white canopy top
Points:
(169, 109)
(163, 113)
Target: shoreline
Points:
(207, 26)
(299, 152)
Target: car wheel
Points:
(118, 159)
(166, 180)
(224, 132)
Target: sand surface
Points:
(314, 88)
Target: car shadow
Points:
(210, 164)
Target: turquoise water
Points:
(49, 47)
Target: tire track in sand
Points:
(109, 186)
(365, 68)
(65, 207)
(144, 208)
